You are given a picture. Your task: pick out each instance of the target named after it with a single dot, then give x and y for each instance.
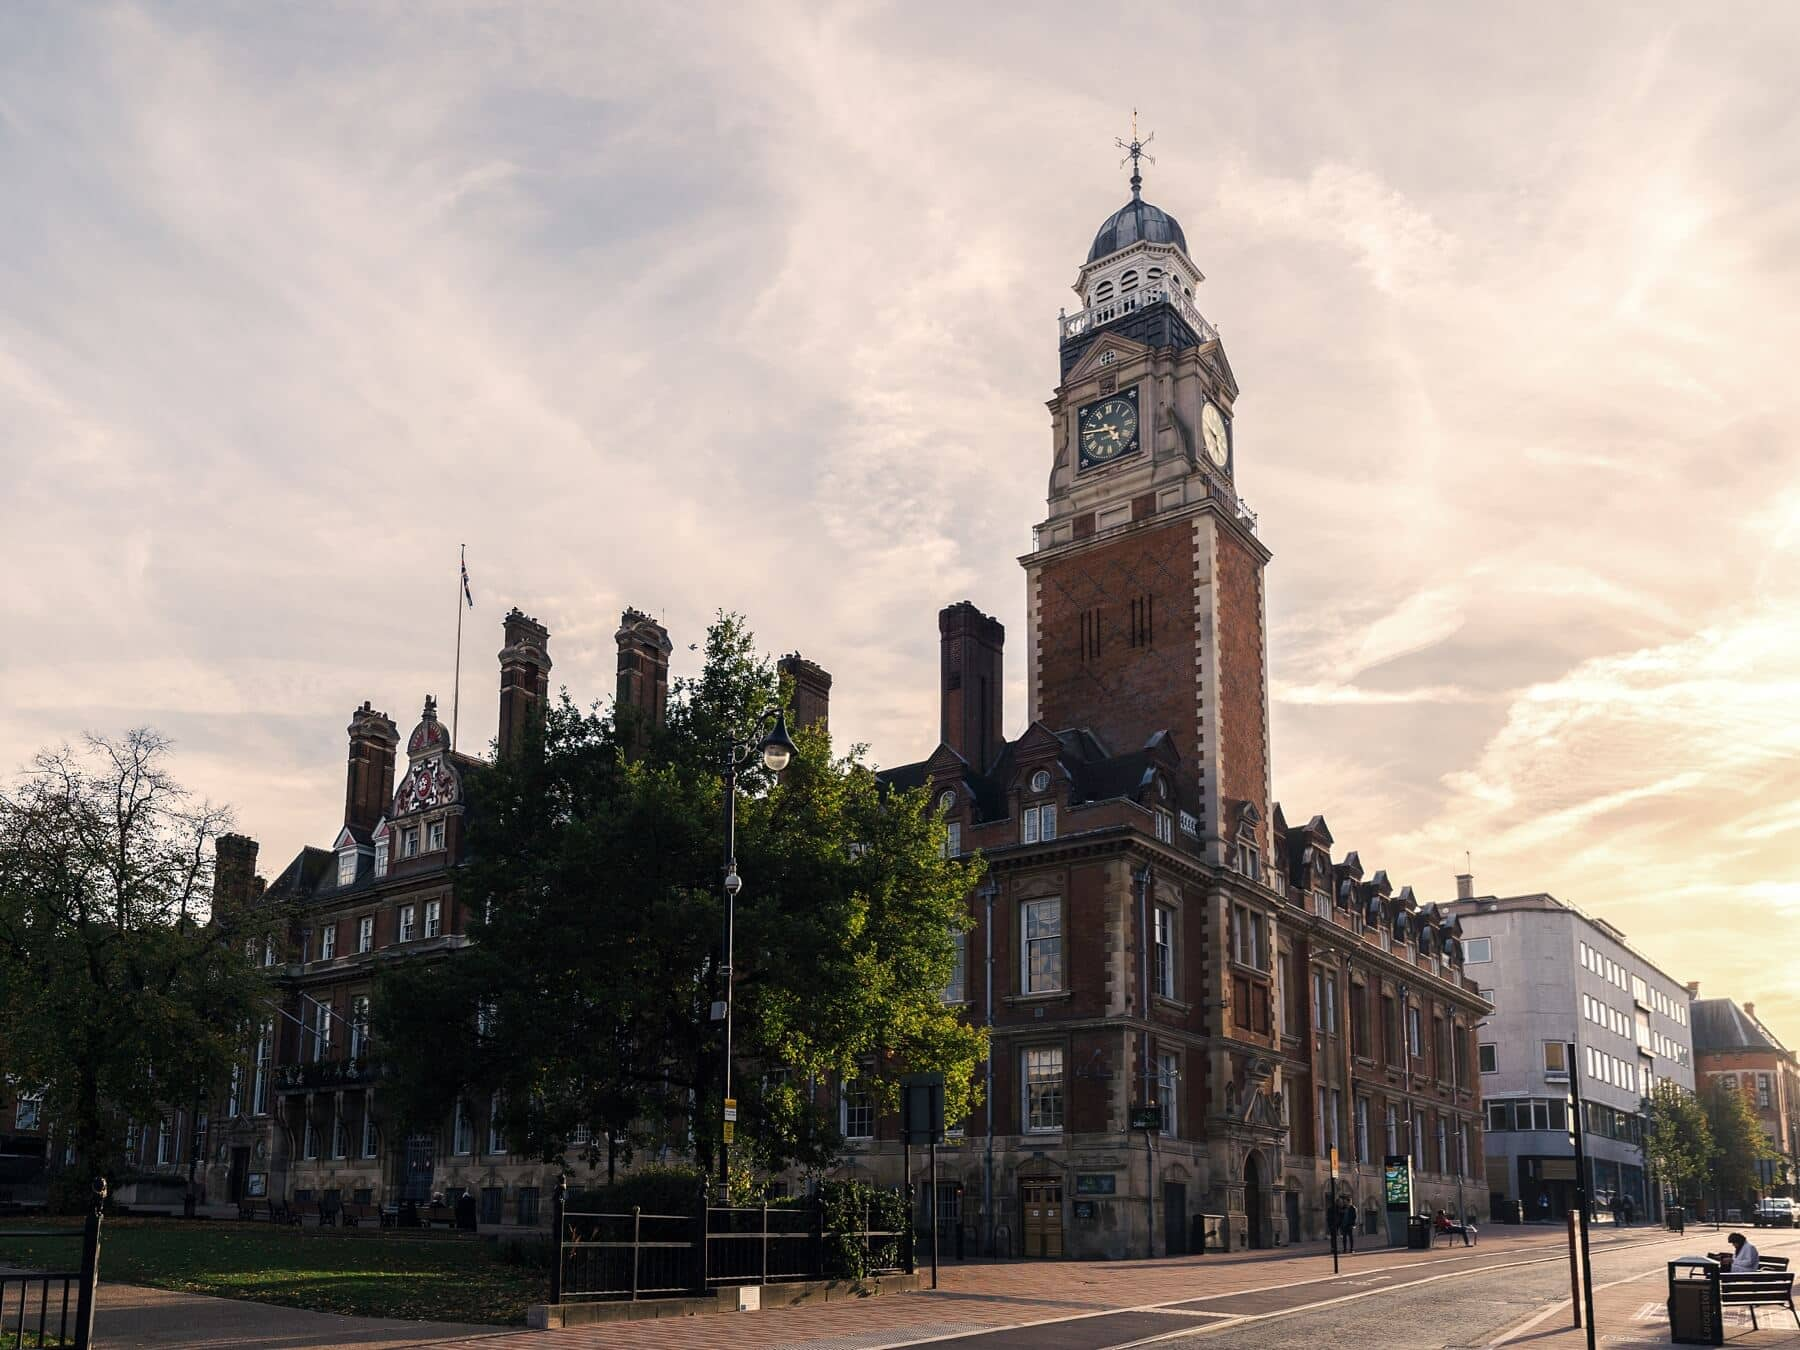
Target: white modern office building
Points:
(1558, 977)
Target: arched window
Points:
(1103, 292)
(1154, 274)
(1128, 282)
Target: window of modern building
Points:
(1041, 923)
(1555, 1059)
(1163, 968)
(408, 922)
(1043, 1090)
(434, 918)
(1478, 951)
(954, 990)
(1488, 1054)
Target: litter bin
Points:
(1418, 1233)
(1676, 1219)
(1206, 1234)
(1508, 1211)
(1695, 1315)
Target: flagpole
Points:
(462, 571)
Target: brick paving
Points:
(1632, 1315)
(982, 1297)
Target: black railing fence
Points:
(636, 1255)
(54, 1308)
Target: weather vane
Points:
(1134, 151)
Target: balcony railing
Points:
(330, 1073)
(1153, 293)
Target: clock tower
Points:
(1145, 582)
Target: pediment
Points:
(1094, 361)
(946, 763)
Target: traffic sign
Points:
(731, 1108)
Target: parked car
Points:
(1777, 1212)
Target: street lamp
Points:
(777, 750)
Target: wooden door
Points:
(1041, 1210)
(240, 1168)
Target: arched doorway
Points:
(1256, 1201)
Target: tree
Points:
(1678, 1144)
(121, 992)
(585, 1000)
(1738, 1143)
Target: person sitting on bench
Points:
(1746, 1253)
(1465, 1230)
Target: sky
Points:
(752, 307)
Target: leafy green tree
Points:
(585, 998)
(1678, 1143)
(1738, 1143)
(121, 993)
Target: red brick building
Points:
(1152, 933)
(1733, 1049)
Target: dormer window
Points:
(947, 800)
(347, 867)
(381, 856)
(1040, 781)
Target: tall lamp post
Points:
(776, 748)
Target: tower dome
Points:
(1136, 222)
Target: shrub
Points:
(849, 1210)
(655, 1190)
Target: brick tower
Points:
(1145, 586)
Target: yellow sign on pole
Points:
(730, 1131)
(1334, 1175)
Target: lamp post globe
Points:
(778, 747)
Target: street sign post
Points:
(1331, 1212)
(922, 1120)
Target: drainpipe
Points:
(988, 890)
(1141, 875)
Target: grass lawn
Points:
(373, 1274)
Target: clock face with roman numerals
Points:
(1108, 430)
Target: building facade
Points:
(1150, 946)
(1733, 1049)
(1557, 977)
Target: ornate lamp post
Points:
(777, 749)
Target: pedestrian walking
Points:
(1347, 1216)
(1630, 1212)
(1543, 1204)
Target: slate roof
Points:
(1720, 1025)
(1136, 220)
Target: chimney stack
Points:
(970, 645)
(369, 780)
(812, 690)
(641, 703)
(1750, 1010)
(234, 873)
(1693, 989)
(1465, 886)
(524, 677)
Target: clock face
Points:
(1215, 435)
(1108, 429)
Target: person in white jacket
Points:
(1747, 1255)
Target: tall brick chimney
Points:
(642, 699)
(234, 873)
(812, 690)
(369, 779)
(970, 645)
(524, 677)
(1750, 1011)
(1465, 886)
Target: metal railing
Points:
(16, 1318)
(633, 1255)
(42, 1306)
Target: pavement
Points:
(1511, 1290)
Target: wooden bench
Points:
(1771, 1262)
(1755, 1289)
(301, 1211)
(354, 1212)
